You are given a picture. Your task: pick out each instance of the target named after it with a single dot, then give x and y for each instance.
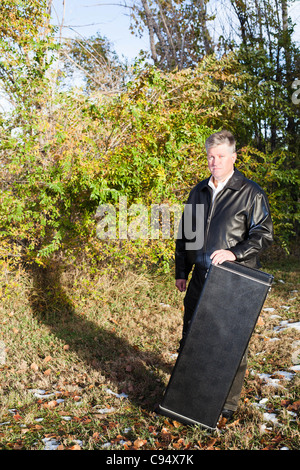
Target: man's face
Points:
(220, 161)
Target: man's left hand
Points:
(219, 256)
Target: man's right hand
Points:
(181, 284)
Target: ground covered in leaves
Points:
(85, 358)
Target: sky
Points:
(87, 17)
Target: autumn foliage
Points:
(87, 347)
(63, 153)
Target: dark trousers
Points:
(194, 289)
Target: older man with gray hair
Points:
(236, 226)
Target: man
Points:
(236, 225)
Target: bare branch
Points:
(91, 77)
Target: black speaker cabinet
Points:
(217, 338)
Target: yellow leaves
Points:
(161, 174)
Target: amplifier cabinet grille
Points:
(217, 338)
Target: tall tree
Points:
(102, 69)
(269, 55)
(178, 31)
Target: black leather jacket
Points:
(238, 220)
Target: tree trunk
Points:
(150, 25)
(206, 36)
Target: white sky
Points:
(87, 17)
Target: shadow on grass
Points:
(100, 349)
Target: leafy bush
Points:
(65, 153)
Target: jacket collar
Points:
(235, 182)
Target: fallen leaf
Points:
(75, 447)
(34, 367)
(188, 446)
(260, 321)
(176, 424)
(294, 406)
(234, 423)
(17, 417)
(278, 438)
(47, 359)
(52, 404)
(222, 422)
(167, 423)
(165, 431)
(212, 442)
(177, 445)
(285, 402)
(139, 443)
(18, 446)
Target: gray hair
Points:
(219, 138)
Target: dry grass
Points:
(81, 336)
